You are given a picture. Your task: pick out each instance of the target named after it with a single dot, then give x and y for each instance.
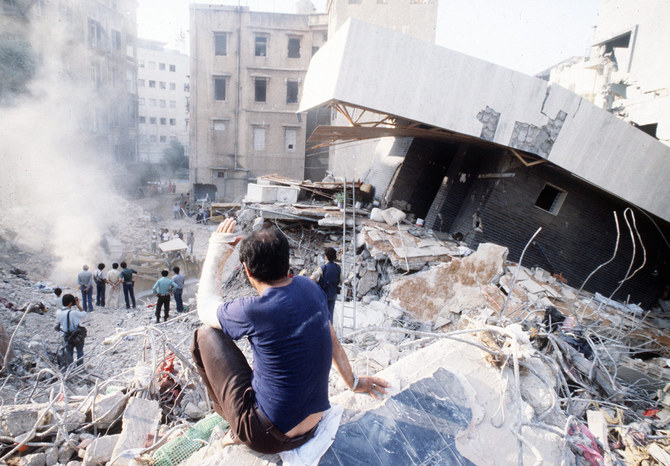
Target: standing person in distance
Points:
(190, 241)
(114, 280)
(162, 288)
(100, 285)
(329, 277)
(72, 309)
(85, 281)
(178, 292)
(128, 276)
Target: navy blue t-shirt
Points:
(290, 338)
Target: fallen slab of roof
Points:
(372, 68)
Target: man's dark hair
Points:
(101, 266)
(115, 265)
(265, 253)
(123, 265)
(330, 254)
(164, 273)
(176, 270)
(68, 300)
(57, 292)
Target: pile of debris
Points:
(535, 369)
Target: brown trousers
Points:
(227, 376)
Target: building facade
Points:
(625, 73)
(91, 50)
(163, 99)
(246, 80)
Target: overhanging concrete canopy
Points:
(374, 68)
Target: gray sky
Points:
(525, 35)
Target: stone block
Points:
(108, 408)
(392, 215)
(35, 459)
(100, 451)
(140, 420)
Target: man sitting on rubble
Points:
(278, 405)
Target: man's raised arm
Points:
(221, 245)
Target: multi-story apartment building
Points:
(90, 47)
(625, 72)
(163, 91)
(247, 70)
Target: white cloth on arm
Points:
(209, 290)
(311, 452)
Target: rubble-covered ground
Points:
(553, 374)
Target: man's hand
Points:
(228, 226)
(374, 386)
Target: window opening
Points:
(260, 89)
(259, 138)
(294, 47)
(220, 43)
(292, 92)
(551, 199)
(261, 46)
(219, 89)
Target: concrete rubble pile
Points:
(548, 373)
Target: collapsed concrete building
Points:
(489, 154)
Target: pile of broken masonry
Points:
(550, 373)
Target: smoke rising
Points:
(56, 194)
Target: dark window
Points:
(292, 92)
(163, 138)
(261, 46)
(152, 83)
(294, 47)
(221, 174)
(163, 121)
(116, 40)
(143, 119)
(260, 89)
(650, 129)
(161, 66)
(550, 199)
(219, 89)
(152, 120)
(220, 43)
(173, 68)
(173, 121)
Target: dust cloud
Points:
(56, 194)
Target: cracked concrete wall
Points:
(489, 119)
(446, 89)
(539, 140)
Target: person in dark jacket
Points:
(329, 277)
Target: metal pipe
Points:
(344, 249)
(353, 248)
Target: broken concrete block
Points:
(392, 216)
(140, 421)
(108, 408)
(598, 427)
(18, 419)
(366, 282)
(193, 411)
(376, 215)
(35, 459)
(457, 286)
(100, 450)
(258, 224)
(4, 343)
(51, 456)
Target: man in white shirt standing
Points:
(114, 279)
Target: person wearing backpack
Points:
(69, 317)
(329, 277)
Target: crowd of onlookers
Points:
(70, 311)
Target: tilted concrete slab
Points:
(390, 73)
